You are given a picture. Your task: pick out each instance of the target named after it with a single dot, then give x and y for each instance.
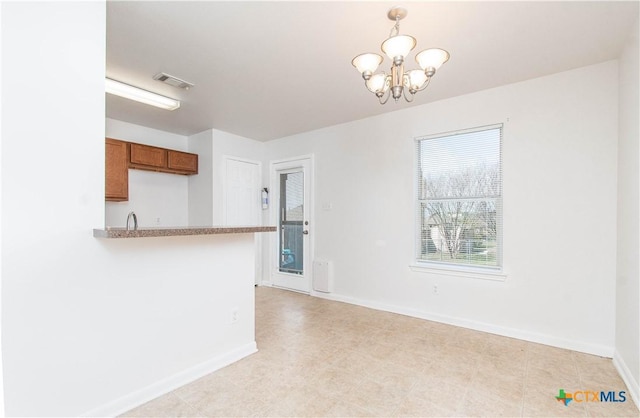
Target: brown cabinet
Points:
(120, 156)
(147, 157)
(182, 162)
(116, 170)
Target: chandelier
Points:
(397, 47)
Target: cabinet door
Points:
(183, 162)
(116, 170)
(148, 157)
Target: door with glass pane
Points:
(291, 184)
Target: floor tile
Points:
(165, 406)
(440, 391)
(611, 409)
(322, 358)
(504, 404)
(376, 398)
(417, 406)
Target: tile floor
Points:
(322, 358)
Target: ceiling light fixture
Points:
(397, 47)
(140, 95)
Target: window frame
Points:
(458, 269)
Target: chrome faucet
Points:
(135, 221)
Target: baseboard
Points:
(599, 350)
(139, 397)
(627, 377)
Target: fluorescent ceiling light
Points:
(139, 95)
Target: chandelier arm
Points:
(426, 84)
(387, 94)
(406, 80)
(404, 93)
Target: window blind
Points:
(459, 197)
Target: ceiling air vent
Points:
(173, 81)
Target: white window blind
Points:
(459, 198)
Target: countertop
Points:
(111, 232)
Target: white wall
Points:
(91, 324)
(627, 357)
(559, 154)
(126, 131)
(201, 186)
(158, 199)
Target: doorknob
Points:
(305, 232)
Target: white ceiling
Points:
(266, 70)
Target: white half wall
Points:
(158, 199)
(628, 228)
(559, 164)
(91, 324)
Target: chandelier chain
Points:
(395, 28)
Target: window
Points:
(459, 198)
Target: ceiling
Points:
(266, 70)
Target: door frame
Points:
(274, 244)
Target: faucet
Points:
(135, 221)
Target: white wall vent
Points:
(173, 81)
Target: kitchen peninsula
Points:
(190, 290)
(177, 231)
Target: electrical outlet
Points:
(158, 221)
(435, 289)
(234, 315)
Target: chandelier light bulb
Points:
(378, 84)
(367, 63)
(433, 57)
(398, 46)
(415, 80)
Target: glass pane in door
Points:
(291, 221)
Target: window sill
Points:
(459, 271)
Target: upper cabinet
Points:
(120, 156)
(183, 162)
(116, 170)
(146, 157)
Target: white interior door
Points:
(291, 203)
(242, 206)
(242, 193)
